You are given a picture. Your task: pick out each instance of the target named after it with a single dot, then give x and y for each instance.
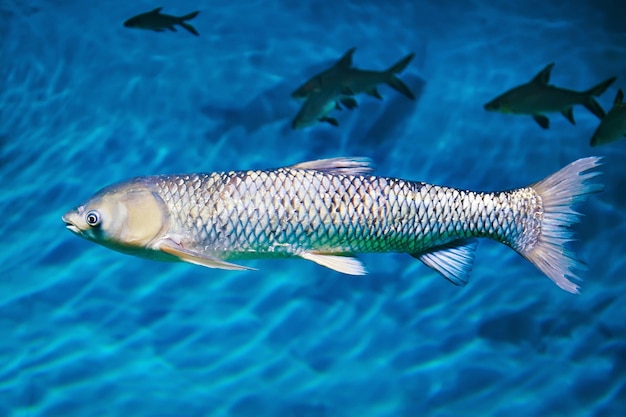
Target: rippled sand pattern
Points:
(85, 102)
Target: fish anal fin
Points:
(351, 166)
(542, 120)
(344, 264)
(374, 93)
(619, 97)
(453, 260)
(170, 247)
(569, 115)
(172, 28)
(543, 77)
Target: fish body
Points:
(354, 80)
(538, 97)
(613, 126)
(158, 22)
(327, 211)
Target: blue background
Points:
(85, 102)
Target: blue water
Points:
(85, 331)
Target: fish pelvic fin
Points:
(542, 121)
(590, 103)
(395, 82)
(187, 25)
(558, 193)
(454, 260)
(344, 264)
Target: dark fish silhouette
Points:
(613, 126)
(537, 97)
(158, 22)
(356, 80)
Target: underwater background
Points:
(85, 102)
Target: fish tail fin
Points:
(187, 25)
(395, 82)
(590, 103)
(559, 192)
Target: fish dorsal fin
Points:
(453, 260)
(170, 247)
(543, 77)
(346, 165)
(157, 10)
(344, 264)
(619, 97)
(346, 60)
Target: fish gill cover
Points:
(86, 102)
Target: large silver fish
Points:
(328, 210)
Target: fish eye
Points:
(93, 218)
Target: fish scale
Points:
(290, 212)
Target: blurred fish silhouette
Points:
(355, 80)
(267, 107)
(613, 126)
(537, 97)
(158, 22)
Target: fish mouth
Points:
(69, 225)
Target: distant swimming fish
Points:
(328, 210)
(538, 97)
(355, 80)
(158, 22)
(613, 126)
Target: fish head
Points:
(133, 22)
(127, 217)
(500, 104)
(313, 85)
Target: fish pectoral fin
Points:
(194, 257)
(569, 115)
(453, 260)
(338, 106)
(542, 120)
(344, 264)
